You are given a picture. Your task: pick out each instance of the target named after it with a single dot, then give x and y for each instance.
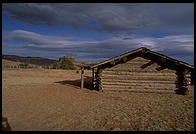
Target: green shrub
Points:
(56, 66)
(67, 64)
(7, 66)
(35, 66)
(23, 65)
(47, 67)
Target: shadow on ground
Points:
(77, 83)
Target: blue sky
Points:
(95, 32)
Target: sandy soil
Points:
(52, 100)
(13, 63)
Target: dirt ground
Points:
(52, 100)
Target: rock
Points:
(71, 58)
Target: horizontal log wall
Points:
(157, 73)
(142, 90)
(135, 65)
(136, 77)
(138, 74)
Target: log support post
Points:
(93, 77)
(82, 77)
(99, 81)
(181, 83)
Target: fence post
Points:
(82, 77)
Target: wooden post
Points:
(82, 77)
(99, 79)
(181, 83)
(93, 78)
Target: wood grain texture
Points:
(141, 74)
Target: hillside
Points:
(31, 60)
(14, 60)
(8, 63)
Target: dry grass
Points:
(52, 100)
(13, 63)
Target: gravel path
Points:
(52, 100)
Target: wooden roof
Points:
(146, 52)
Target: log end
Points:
(182, 91)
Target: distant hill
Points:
(31, 60)
(14, 63)
(39, 61)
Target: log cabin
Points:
(142, 70)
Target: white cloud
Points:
(174, 45)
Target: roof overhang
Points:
(145, 51)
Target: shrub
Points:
(67, 64)
(35, 66)
(47, 67)
(56, 66)
(23, 65)
(7, 66)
